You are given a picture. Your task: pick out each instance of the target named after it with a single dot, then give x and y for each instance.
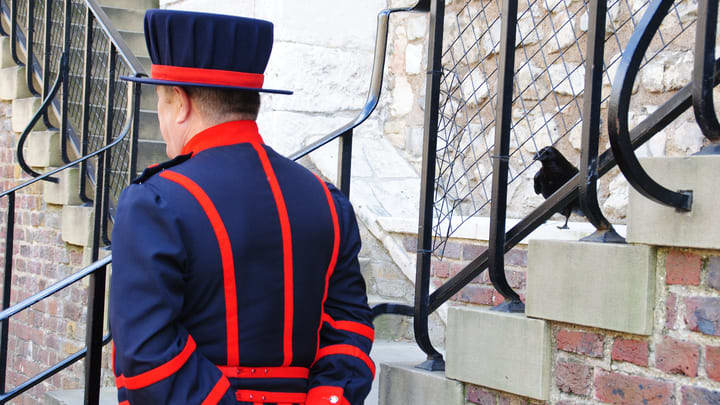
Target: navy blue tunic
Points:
(235, 280)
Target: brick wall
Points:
(54, 328)
(678, 364)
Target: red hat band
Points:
(206, 76)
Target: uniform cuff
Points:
(324, 395)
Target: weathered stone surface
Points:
(403, 383)
(417, 27)
(623, 389)
(616, 203)
(508, 352)
(688, 138)
(529, 82)
(403, 98)
(66, 190)
(413, 58)
(12, 83)
(43, 149)
(567, 79)
(670, 70)
(653, 224)
(614, 291)
(77, 222)
(676, 357)
(6, 59)
(23, 111)
(475, 88)
(632, 351)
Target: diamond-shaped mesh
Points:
(547, 97)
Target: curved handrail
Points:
(704, 70)
(39, 114)
(117, 40)
(123, 133)
(375, 80)
(620, 105)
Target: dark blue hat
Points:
(207, 50)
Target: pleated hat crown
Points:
(207, 50)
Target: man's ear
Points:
(184, 104)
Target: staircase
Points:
(605, 323)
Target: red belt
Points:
(265, 372)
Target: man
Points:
(235, 272)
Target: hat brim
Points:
(158, 82)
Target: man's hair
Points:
(221, 103)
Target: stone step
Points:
(108, 396)
(13, 83)
(77, 224)
(130, 4)
(604, 285)
(654, 224)
(23, 109)
(66, 191)
(6, 59)
(42, 149)
(136, 42)
(402, 383)
(499, 350)
(126, 19)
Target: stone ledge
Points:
(43, 149)
(23, 110)
(608, 286)
(498, 350)
(654, 224)
(77, 223)
(6, 59)
(12, 83)
(66, 191)
(405, 384)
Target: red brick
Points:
(703, 315)
(586, 343)
(477, 294)
(471, 252)
(410, 243)
(516, 257)
(682, 268)
(699, 396)
(676, 357)
(480, 396)
(632, 351)
(573, 377)
(671, 311)
(713, 272)
(440, 268)
(712, 362)
(623, 389)
(451, 250)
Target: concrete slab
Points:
(507, 352)
(608, 286)
(654, 224)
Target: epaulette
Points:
(157, 168)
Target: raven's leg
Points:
(567, 218)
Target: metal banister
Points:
(117, 40)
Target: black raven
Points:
(555, 171)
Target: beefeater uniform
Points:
(235, 272)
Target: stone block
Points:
(42, 149)
(66, 190)
(23, 109)
(126, 19)
(6, 59)
(608, 286)
(136, 42)
(507, 352)
(405, 384)
(77, 223)
(134, 4)
(12, 83)
(654, 224)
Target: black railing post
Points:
(7, 283)
(64, 124)
(501, 159)
(87, 88)
(434, 360)
(29, 46)
(109, 118)
(704, 69)
(13, 32)
(592, 99)
(345, 161)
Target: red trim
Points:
(158, 373)
(226, 256)
(287, 254)
(333, 258)
(266, 372)
(228, 133)
(266, 396)
(351, 326)
(217, 392)
(323, 395)
(206, 76)
(347, 350)
(124, 403)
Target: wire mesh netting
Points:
(548, 86)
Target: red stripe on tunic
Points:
(158, 373)
(228, 265)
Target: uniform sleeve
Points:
(155, 359)
(343, 371)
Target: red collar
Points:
(228, 133)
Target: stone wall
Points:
(54, 328)
(679, 363)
